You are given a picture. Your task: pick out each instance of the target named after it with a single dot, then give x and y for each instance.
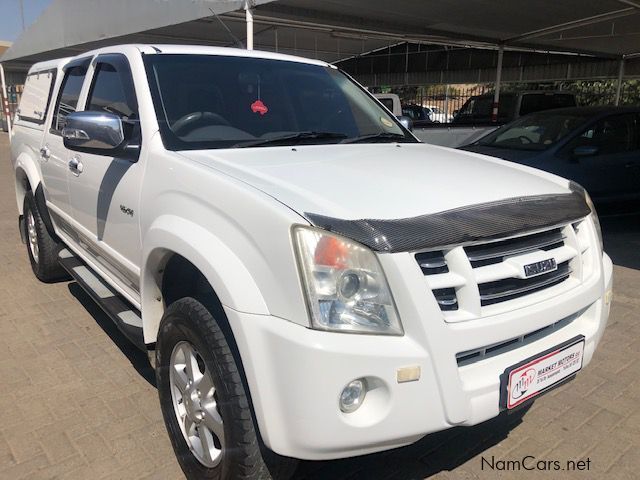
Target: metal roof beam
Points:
(286, 16)
(630, 2)
(602, 17)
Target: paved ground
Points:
(76, 401)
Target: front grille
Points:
(510, 288)
(466, 280)
(473, 356)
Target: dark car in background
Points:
(598, 147)
(479, 108)
(418, 115)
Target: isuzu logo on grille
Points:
(539, 268)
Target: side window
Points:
(36, 96)
(387, 102)
(614, 134)
(69, 95)
(408, 112)
(112, 92)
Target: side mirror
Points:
(93, 132)
(406, 122)
(585, 151)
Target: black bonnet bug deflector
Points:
(468, 224)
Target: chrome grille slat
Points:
(446, 298)
(516, 249)
(434, 264)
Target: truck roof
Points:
(160, 49)
(235, 52)
(49, 65)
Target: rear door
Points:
(104, 191)
(604, 158)
(54, 157)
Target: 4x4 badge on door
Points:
(541, 267)
(126, 210)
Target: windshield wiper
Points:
(284, 139)
(384, 136)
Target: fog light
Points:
(352, 396)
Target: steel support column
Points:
(619, 83)
(496, 94)
(5, 100)
(249, 20)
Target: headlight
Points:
(345, 286)
(577, 188)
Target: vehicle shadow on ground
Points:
(622, 239)
(441, 451)
(138, 358)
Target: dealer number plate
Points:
(541, 373)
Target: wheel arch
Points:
(179, 255)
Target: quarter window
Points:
(35, 99)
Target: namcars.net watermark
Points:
(531, 463)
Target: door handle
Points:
(45, 153)
(75, 165)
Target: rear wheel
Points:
(41, 247)
(204, 400)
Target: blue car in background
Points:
(598, 147)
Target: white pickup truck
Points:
(311, 281)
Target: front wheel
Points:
(204, 401)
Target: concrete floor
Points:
(77, 401)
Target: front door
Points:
(604, 156)
(103, 189)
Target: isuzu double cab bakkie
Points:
(311, 281)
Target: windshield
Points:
(533, 132)
(207, 101)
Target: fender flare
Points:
(225, 272)
(41, 205)
(28, 165)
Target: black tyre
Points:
(41, 247)
(204, 399)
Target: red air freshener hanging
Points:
(259, 107)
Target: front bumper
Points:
(296, 374)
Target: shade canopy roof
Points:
(334, 30)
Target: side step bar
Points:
(125, 316)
